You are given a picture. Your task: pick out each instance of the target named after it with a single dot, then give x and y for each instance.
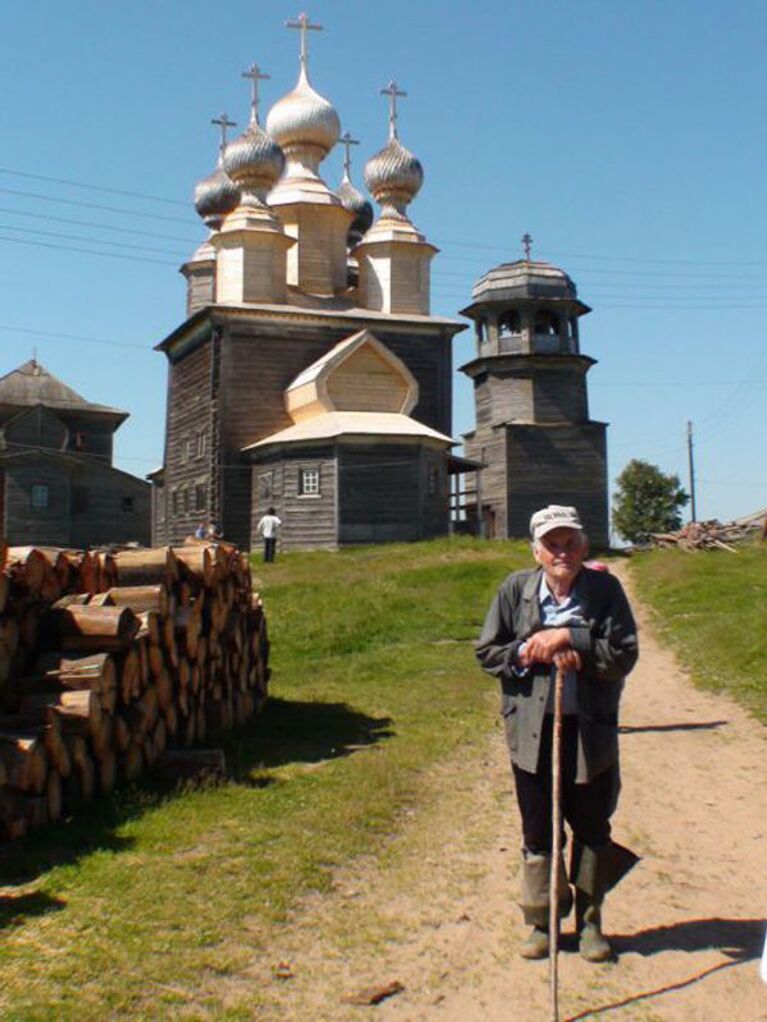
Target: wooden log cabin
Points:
(310, 375)
(58, 486)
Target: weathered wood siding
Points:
(89, 503)
(50, 526)
(188, 442)
(384, 493)
(259, 358)
(562, 464)
(307, 520)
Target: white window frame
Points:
(309, 482)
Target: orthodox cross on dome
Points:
(527, 244)
(348, 142)
(392, 91)
(223, 122)
(303, 25)
(254, 73)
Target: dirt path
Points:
(437, 913)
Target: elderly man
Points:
(563, 615)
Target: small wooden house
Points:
(58, 486)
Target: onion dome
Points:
(304, 124)
(394, 177)
(216, 195)
(254, 162)
(356, 203)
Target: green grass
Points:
(712, 608)
(138, 907)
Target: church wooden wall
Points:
(188, 417)
(259, 359)
(383, 494)
(307, 521)
(564, 464)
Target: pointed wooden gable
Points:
(358, 375)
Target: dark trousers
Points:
(587, 808)
(270, 544)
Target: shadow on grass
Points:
(285, 732)
(300, 732)
(738, 939)
(18, 908)
(706, 725)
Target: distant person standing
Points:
(268, 527)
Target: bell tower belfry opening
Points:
(533, 433)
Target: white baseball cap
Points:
(555, 516)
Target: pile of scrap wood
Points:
(710, 535)
(107, 659)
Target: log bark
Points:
(140, 598)
(92, 629)
(96, 672)
(157, 566)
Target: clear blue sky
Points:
(627, 137)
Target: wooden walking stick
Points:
(556, 842)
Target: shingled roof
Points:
(31, 384)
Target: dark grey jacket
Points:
(608, 649)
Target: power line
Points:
(95, 205)
(100, 226)
(51, 334)
(89, 241)
(87, 251)
(91, 187)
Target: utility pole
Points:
(691, 464)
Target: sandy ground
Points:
(437, 912)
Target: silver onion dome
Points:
(254, 162)
(215, 196)
(394, 177)
(304, 122)
(355, 202)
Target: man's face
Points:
(560, 553)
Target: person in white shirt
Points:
(267, 528)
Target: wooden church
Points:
(309, 375)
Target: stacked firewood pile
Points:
(107, 659)
(709, 535)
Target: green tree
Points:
(646, 500)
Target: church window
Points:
(434, 481)
(200, 497)
(127, 505)
(509, 323)
(174, 504)
(40, 496)
(202, 443)
(190, 449)
(309, 482)
(80, 442)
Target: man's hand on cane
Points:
(550, 646)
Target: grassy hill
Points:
(711, 607)
(129, 910)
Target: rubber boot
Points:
(592, 944)
(534, 901)
(594, 871)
